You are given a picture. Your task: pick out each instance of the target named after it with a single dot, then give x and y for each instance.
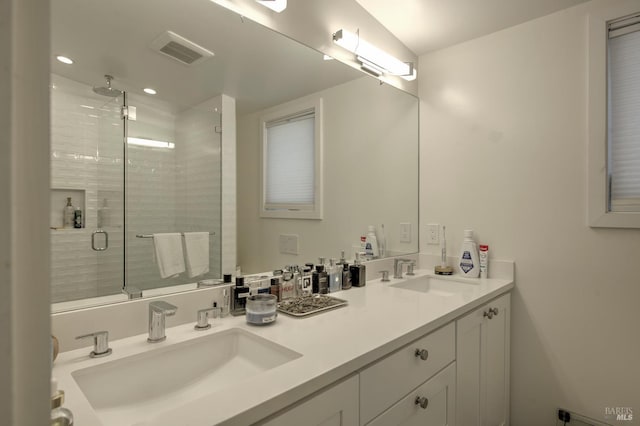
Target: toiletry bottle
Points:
(77, 218)
(320, 280)
(346, 276)
(68, 214)
(382, 242)
(275, 287)
(469, 264)
(484, 261)
(371, 243)
(240, 294)
(335, 276)
(363, 244)
(306, 281)
(358, 273)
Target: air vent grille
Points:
(180, 49)
(180, 52)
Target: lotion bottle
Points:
(69, 214)
(469, 261)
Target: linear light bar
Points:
(150, 143)
(368, 54)
(275, 5)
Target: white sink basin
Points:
(437, 286)
(140, 386)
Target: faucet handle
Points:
(410, 267)
(100, 343)
(385, 276)
(203, 318)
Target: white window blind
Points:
(290, 162)
(624, 115)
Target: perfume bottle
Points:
(358, 273)
(335, 276)
(68, 214)
(320, 280)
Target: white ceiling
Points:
(426, 25)
(255, 65)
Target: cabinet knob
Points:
(422, 402)
(491, 313)
(495, 311)
(422, 353)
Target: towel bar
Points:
(151, 235)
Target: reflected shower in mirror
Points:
(162, 168)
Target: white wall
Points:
(503, 151)
(24, 235)
(370, 177)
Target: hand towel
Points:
(196, 245)
(169, 256)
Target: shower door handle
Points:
(93, 240)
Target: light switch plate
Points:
(288, 243)
(433, 233)
(405, 232)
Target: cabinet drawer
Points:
(391, 378)
(439, 392)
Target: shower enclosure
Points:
(134, 166)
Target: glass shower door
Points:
(87, 135)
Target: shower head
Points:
(108, 91)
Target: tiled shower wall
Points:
(168, 190)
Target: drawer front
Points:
(393, 377)
(437, 397)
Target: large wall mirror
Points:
(134, 164)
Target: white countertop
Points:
(378, 320)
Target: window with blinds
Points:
(291, 168)
(623, 147)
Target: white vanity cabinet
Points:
(334, 406)
(391, 382)
(482, 363)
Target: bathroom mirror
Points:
(136, 164)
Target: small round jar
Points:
(261, 309)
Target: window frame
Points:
(599, 215)
(280, 112)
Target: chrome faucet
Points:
(158, 311)
(397, 267)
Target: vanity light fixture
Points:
(149, 91)
(372, 59)
(275, 5)
(150, 143)
(64, 60)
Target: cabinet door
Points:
(482, 358)
(431, 404)
(335, 406)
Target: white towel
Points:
(196, 245)
(168, 251)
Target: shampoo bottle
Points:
(469, 262)
(335, 276)
(69, 214)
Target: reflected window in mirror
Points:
(292, 161)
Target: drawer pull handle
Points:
(422, 353)
(491, 313)
(422, 402)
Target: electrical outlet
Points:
(405, 232)
(288, 244)
(433, 233)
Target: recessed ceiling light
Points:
(149, 91)
(64, 59)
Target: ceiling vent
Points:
(180, 49)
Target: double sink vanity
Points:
(427, 349)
